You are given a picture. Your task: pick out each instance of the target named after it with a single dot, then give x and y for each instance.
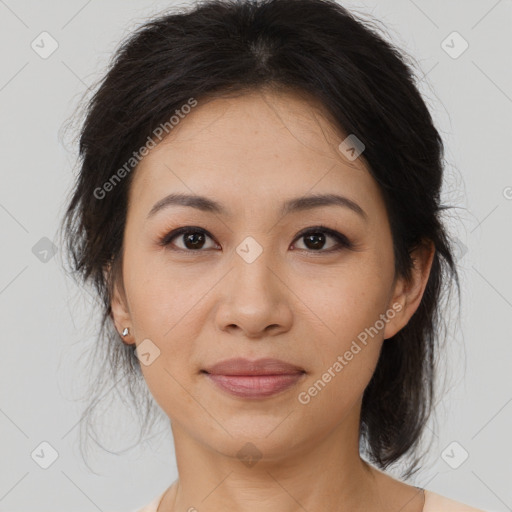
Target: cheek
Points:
(350, 331)
(346, 356)
(346, 302)
(163, 298)
(166, 308)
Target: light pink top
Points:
(433, 503)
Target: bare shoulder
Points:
(407, 498)
(436, 503)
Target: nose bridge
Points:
(255, 296)
(254, 262)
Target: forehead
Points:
(263, 146)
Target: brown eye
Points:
(192, 239)
(315, 239)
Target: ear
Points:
(407, 294)
(120, 313)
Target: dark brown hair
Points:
(369, 89)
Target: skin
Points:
(295, 302)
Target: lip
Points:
(260, 378)
(241, 366)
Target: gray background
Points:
(47, 322)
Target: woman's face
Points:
(244, 282)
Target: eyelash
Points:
(343, 242)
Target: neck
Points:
(318, 474)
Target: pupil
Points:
(312, 237)
(193, 240)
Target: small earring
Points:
(125, 331)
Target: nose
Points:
(255, 301)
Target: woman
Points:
(258, 207)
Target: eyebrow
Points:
(292, 205)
